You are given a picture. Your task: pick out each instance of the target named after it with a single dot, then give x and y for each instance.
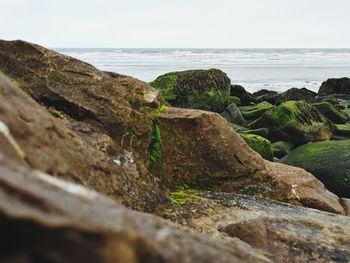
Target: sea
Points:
(254, 69)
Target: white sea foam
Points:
(276, 69)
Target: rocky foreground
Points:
(201, 191)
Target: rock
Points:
(200, 150)
(284, 233)
(263, 132)
(341, 131)
(197, 89)
(240, 92)
(328, 161)
(346, 204)
(281, 148)
(331, 112)
(92, 114)
(297, 94)
(254, 112)
(335, 86)
(296, 122)
(269, 96)
(260, 145)
(233, 114)
(44, 219)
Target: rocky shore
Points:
(101, 167)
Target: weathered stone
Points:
(329, 161)
(335, 86)
(269, 96)
(233, 114)
(202, 151)
(331, 112)
(296, 122)
(254, 112)
(197, 89)
(92, 159)
(44, 219)
(260, 145)
(284, 233)
(297, 94)
(281, 148)
(240, 92)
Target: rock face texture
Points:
(296, 122)
(201, 150)
(331, 113)
(197, 89)
(62, 222)
(240, 92)
(284, 233)
(329, 161)
(233, 114)
(81, 151)
(269, 96)
(297, 94)
(335, 86)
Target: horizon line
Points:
(200, 48)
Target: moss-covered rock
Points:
(269, 96)
(233, 114)
(331, 112)
(260, 145)
(296, 94)
(253, 112)
(335, 86)
(296, 122)
(329, 161)
(240, 92)
(263, 132)
(341, 131)
(197, 89)
(281, 148)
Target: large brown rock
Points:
(201, 150)
(284, 233)
(44, 219)
(46, 144)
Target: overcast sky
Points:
(178, 23)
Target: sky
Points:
(178, 23)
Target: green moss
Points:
(214, 101)
(165, 85)
(183, 195)
(253, 112)
(285, 114)
(329, 161)
(155, 150)
(144, 183)
(342, 127)
(260, 145)
(161, 109)
(331, 113)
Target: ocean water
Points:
(274, 69)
